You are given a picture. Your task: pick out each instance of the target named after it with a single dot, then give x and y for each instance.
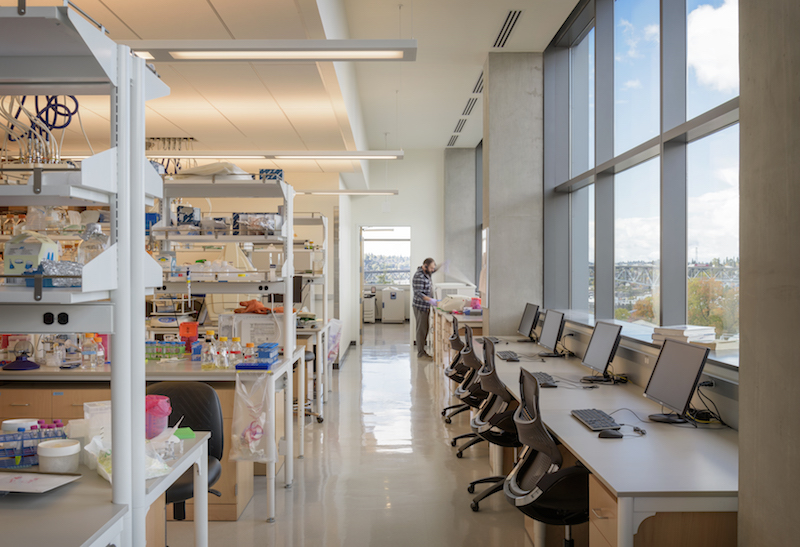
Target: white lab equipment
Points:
(454, 302)
(369, 308)
(444, 289)
(393, 310)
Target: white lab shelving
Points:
(55, 51)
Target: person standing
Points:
(422, 302)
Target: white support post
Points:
(291, 338)
(137, 329)
(121, 344)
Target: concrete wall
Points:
(420, 179)
(348, 268)
(769, 438)
(769, 441)
(513, 156)
(459, 214)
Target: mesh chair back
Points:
(468, 353)
(199, 406)
(533, 433)
(488, 374)
(455, 340)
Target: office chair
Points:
(308, 357)
(537, 485)
(457, 370)
(495, 421)
(199, 406)
(470, 391)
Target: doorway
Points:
(385, 264)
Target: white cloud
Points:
(713, 222)
(713, 45)
(636, 238)
(651, 33)
(632, 84)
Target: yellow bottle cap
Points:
(223, 338)
(209, 333)
(237, 339)
(249, 345)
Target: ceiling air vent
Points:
(460, 125)
(508, 27)
(453, 140)
(470, 105)
(478, 85)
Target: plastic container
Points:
(59, 456)
(10, 426)
(157, 409)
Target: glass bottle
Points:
(208, 356)
(222, 353)
(249, 352)
(235, 352)
(101, 351)
(89, 351)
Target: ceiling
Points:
(307, 106)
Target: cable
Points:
(632, 412)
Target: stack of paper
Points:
(684, 333)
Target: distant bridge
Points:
(648, 275)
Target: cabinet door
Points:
(602, 510)
(68, 402)
(25, 403)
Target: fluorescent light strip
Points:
(266, 155)
(311, 55)
(337, 157)
(348, 192)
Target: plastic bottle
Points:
(101, 351)
(35, 434)
(208, 356)
(235, 352)
(89, 352)
(222, 353)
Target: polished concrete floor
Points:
(380, 470)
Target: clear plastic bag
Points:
(253, 431)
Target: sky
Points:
(712, 163)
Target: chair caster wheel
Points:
(320, 419)
(474, 507)
(471, 488)
(453, 443)
(444, 413)
(448, 420)
(459, 454)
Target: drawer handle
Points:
(20, 404)
(597, 515)
(77, 404)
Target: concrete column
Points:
(769, 386)
(459, 214)
(513, 154)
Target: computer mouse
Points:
(610, 434)
(547, 384)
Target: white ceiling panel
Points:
(318, 129)
(293, 85)
(170, 19)
(226, 83)
(257, 19)
(267, 130)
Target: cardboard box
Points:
(25, 252)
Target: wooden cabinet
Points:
(68, 401)
(602, 512)
(25, 402)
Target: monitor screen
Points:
(675, 375)
(551, 330)
(602, 346)
(529, 318)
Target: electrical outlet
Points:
(646, 360)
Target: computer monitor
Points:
(551, 333)
(528, 322)
(675, 378)
(601, 349)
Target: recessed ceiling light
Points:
(144, 55)
(286, 55)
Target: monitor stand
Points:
(525, 340)
(546, 354)
(597, 379)
(666, 418)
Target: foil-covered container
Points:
(53, 267)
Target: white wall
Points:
(348, 268)
(420, 204)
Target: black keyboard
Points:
(492, 339)
(596, 420)
(543, 378)
(508, 356)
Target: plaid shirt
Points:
(421, 283)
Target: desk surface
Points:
(155, 371)
(669, 461)
(191, 451)
(77, 513)
(470, 320)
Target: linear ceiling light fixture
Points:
(178, 51)
(311, 155)
(348, 192)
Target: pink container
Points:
(157, 410)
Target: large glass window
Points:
(712, 54)
(582, 105)
(713, 232)
(637, 245)
(590, 190)
(387, 255)
(636, 73)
